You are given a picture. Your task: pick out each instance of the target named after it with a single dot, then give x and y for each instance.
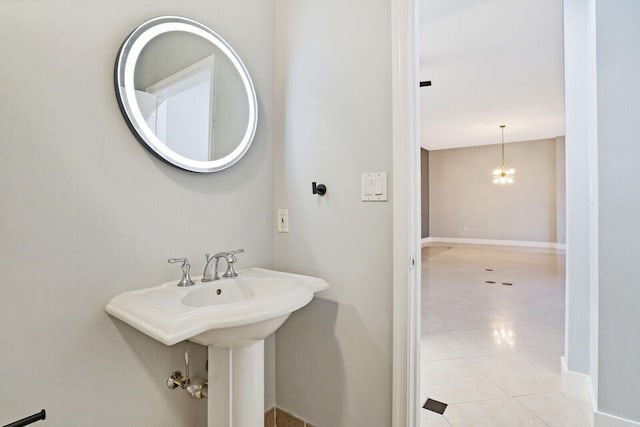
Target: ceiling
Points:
(491, 62)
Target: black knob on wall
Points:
(319, 189)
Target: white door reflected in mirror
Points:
(180, 110)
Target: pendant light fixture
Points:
(502, 175)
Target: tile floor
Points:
(492, 351)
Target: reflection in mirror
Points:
(188, 97)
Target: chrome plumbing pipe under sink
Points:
(176, 379)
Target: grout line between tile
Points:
(489, 379)
(444, 417)
(476, 401)
(530, 411)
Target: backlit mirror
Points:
(186, 94)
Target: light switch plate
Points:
(374, 187)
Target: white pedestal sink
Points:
(231, 317)
(236, 386)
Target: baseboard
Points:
(607, 420)
(578, 385)
(522, 243)
(575, 384)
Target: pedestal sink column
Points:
(236, 386)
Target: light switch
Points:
(367, 182)
(378, 180)
(374, 187)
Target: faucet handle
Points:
(231, 259)
(186, 267)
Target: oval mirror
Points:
(186, 94)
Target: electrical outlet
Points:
(283, 221)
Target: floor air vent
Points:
(435, 406)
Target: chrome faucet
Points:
(230, 258)
(186, 267)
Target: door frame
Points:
(406, 202)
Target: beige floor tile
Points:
(540, 337)
(517, 374)
(549, 359)
(491, 413)
(432, 419)
(472, 343)
(507, 339)
(558, 410)
(454, 381)
(431, 348)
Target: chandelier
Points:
(503, 175)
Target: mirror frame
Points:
(125, 91)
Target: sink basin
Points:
(229, 312)
(231, 317)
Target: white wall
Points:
(152, 65)
(424, 193)
(578, 185)
(333, 106)
(465, 203)
(618, 94)
(603, 103)
(86, 212)
(561, 194)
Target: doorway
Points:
(493, 277)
